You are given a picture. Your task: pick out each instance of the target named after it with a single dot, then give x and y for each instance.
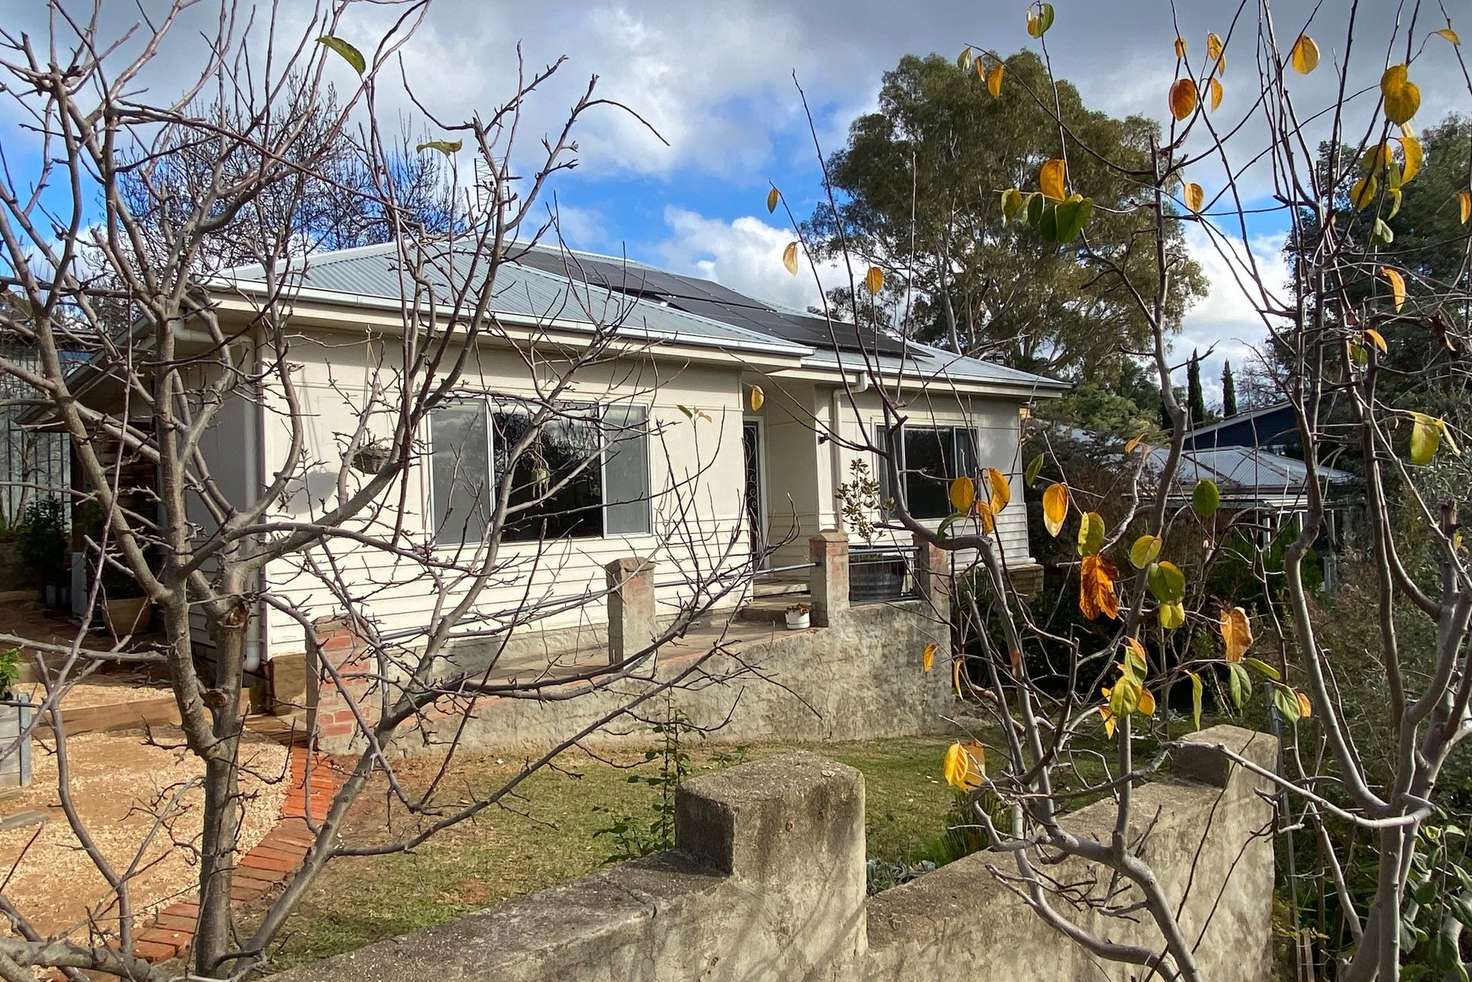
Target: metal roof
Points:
(1248, 471)
(584, 288)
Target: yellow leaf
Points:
(927, 657)
(1096, 588)
(956, 675)
(1001, 489)
(1171, 615)
(987, 516)
(1305, 55)
(874, 279)
(1055, 508)
(980, 67)
(1450, 35)
(994, 79)
(963, 494)
(1214, 53)
(1464, 206)
(757, 398)
(1378, 339)
(964, 765)
(1363, 193)
(1397, 286)
(1414, 154)
(1402, 96)
(1195, 198)
(1180, 47)
(1426, 434)
(773, 196)
(789, 258)
(1215, 87)
(1182, 98)
(1133, 442)
(1051, 179)
(1108, 718)
(1236, 632)
(1147, 703)
(1136, 663)
(1305, 706)
(1145, 551)
(1090, 533)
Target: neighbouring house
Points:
(682, 398)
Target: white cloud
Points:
(744, 254)
(1227, 320)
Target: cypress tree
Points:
(1229, 391)
(1195, 401)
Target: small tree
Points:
(1195, 398)
(1229, 392)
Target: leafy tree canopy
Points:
(920, 183)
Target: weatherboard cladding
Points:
(545, 284)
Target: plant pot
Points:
(15, 716)
(128, 616)
(798, 620)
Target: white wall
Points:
(697, 471)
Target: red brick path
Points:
(278, 854)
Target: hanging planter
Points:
(372, 457)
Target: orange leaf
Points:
(1183, 98)
(927, 657)
(1055, 508)
(994, 79)
(1001, 489)
(1096, 588)
(1236, 632)
(963, 494)
(1305, 706)
(1215, 88)
(1397, 286)
(1195, 198)
(1051, 179)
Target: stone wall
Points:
(859, 678)
(767, 882)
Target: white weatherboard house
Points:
(745, 474)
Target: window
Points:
(586, 474)
(928, 458)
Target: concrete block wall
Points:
(767, 882)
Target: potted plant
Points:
(44, 545)
(798, 616)
(125, 608)
(15, 721)
(372, 457)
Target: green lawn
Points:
(547, 837)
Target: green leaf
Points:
(1036, 205)
(1034, 468)
(1166, 581)
(1145, 551)
(447, 147)
(1206, 498)
(1171, 616)
(1072, 216)
(1014, 202)
(945, 525)
(1382, 235)
(1263, 668)
(1048, 224)
(1239, 684)
(1038, 24)
(1425, 438)
(350, 54)
(1196, 691)
(1090, 533)
(1286, 702)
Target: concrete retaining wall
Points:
(767, 882)
(858, 679)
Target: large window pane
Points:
(927, 483)
(626, 469)
(459, 473)
(560, 471)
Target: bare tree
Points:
(124, 241)
(1152, 616)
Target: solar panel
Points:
(712, 300)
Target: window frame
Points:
(489, 409)
(951, 453)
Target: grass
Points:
(547, 836)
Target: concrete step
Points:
(779, 587)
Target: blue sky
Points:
(717, 80)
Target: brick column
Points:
(355, 686)
(933, 575)
(632, 624)
(828, 579)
